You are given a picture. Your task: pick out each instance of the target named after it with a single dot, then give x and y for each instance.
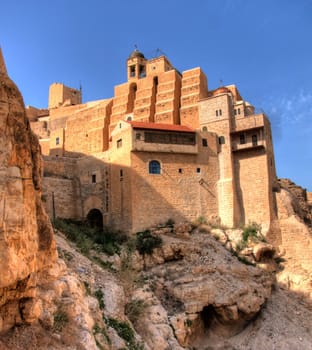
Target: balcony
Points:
(236, 147)
(255, 121)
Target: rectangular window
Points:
(235, 111)
(121, 173)
(142, 72)
(119, 143)
(238, 111)
(254, 140)
(198, 170)
(57, 141)
(138, 136)
(217, 113)
(132, 71)
(93, 178)
(204, 142)
(169, 137)
(242, 139)
(220, 111)
(221, 140)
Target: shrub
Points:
(147, 242)
(123, 330)
(99, 296)
(135, 309)
(253, 230)
(60, 320)
(86, 237)
(201, 220)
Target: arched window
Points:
(154, 167)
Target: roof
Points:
(156, 126)
(136, 53)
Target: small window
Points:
(204, 142)
(254, 139)
(221, 140)
(121, 173)
(132, 71)
(235, 112)
(93, 178)
(57, 141)
(142, 72)
(205, 128)
(129, 118)
(238, 111)
(198, 170)
(217, 113)
(220, 111)
(119, 143)
(138, 136)
(242, 139)
(180, 171)
(154, 167)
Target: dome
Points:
(221, 90)
(136, 53)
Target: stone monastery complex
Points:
(163, 147)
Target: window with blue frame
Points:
(154, 167)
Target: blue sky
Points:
(264, 47)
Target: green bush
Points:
(60, 320)
(253, 230)
(123, 330)
(87, 237)
(99, 296)
(147, 242)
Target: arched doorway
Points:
(95, 218)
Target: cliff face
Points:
(26, 237)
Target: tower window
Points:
(93, 178)
(180, 171)
(204, 143)
(142, 71)
(221, 140)
(254, 139)
(242, 139)
(132, 71)
(121, 173)
(119, 143)
(220, 111)
(198, 170)
(217, 113)
(154, 167)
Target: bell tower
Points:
(136, 65)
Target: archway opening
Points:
(95, 218)
(207, 316)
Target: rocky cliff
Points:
(26, 237)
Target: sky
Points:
(263, 47)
